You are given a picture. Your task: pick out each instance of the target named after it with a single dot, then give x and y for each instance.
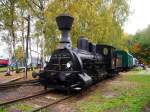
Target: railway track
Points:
(23, 98)
(53, 103)
(32, 99)
(19, 83)
(11, 80)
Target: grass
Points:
(137, 68)
(133, 92)
(18, 106)
(3, 68)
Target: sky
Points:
(139, 17)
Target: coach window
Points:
(105, 51)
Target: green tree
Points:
(8, 18)
(19, 53)
(141, 45)
(37, 8)
(100, 20)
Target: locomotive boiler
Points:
(76, 68)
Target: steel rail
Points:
(20, 82)
(11, 81)
(50, 104)
(24, 98)
(10, 86)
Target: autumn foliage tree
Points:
(19, 53)
(8, 20)
(101, 21)
(141, 45)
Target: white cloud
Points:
(140, 18)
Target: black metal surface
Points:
(64, 22)
(107, 52)
(86, 64)
(54, 71)
(83, 44)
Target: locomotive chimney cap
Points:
(64, 22)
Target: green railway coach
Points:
(126, 58)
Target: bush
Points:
(137, 69)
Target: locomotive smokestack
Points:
(64, 23)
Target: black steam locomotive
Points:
(77, 68)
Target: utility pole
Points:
(27, 38)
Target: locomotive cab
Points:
(107, 52)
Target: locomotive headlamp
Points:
(68, 65)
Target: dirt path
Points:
(147, 108)
(104, 96)
(70, 106)
(5, 78)
(126, 88)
